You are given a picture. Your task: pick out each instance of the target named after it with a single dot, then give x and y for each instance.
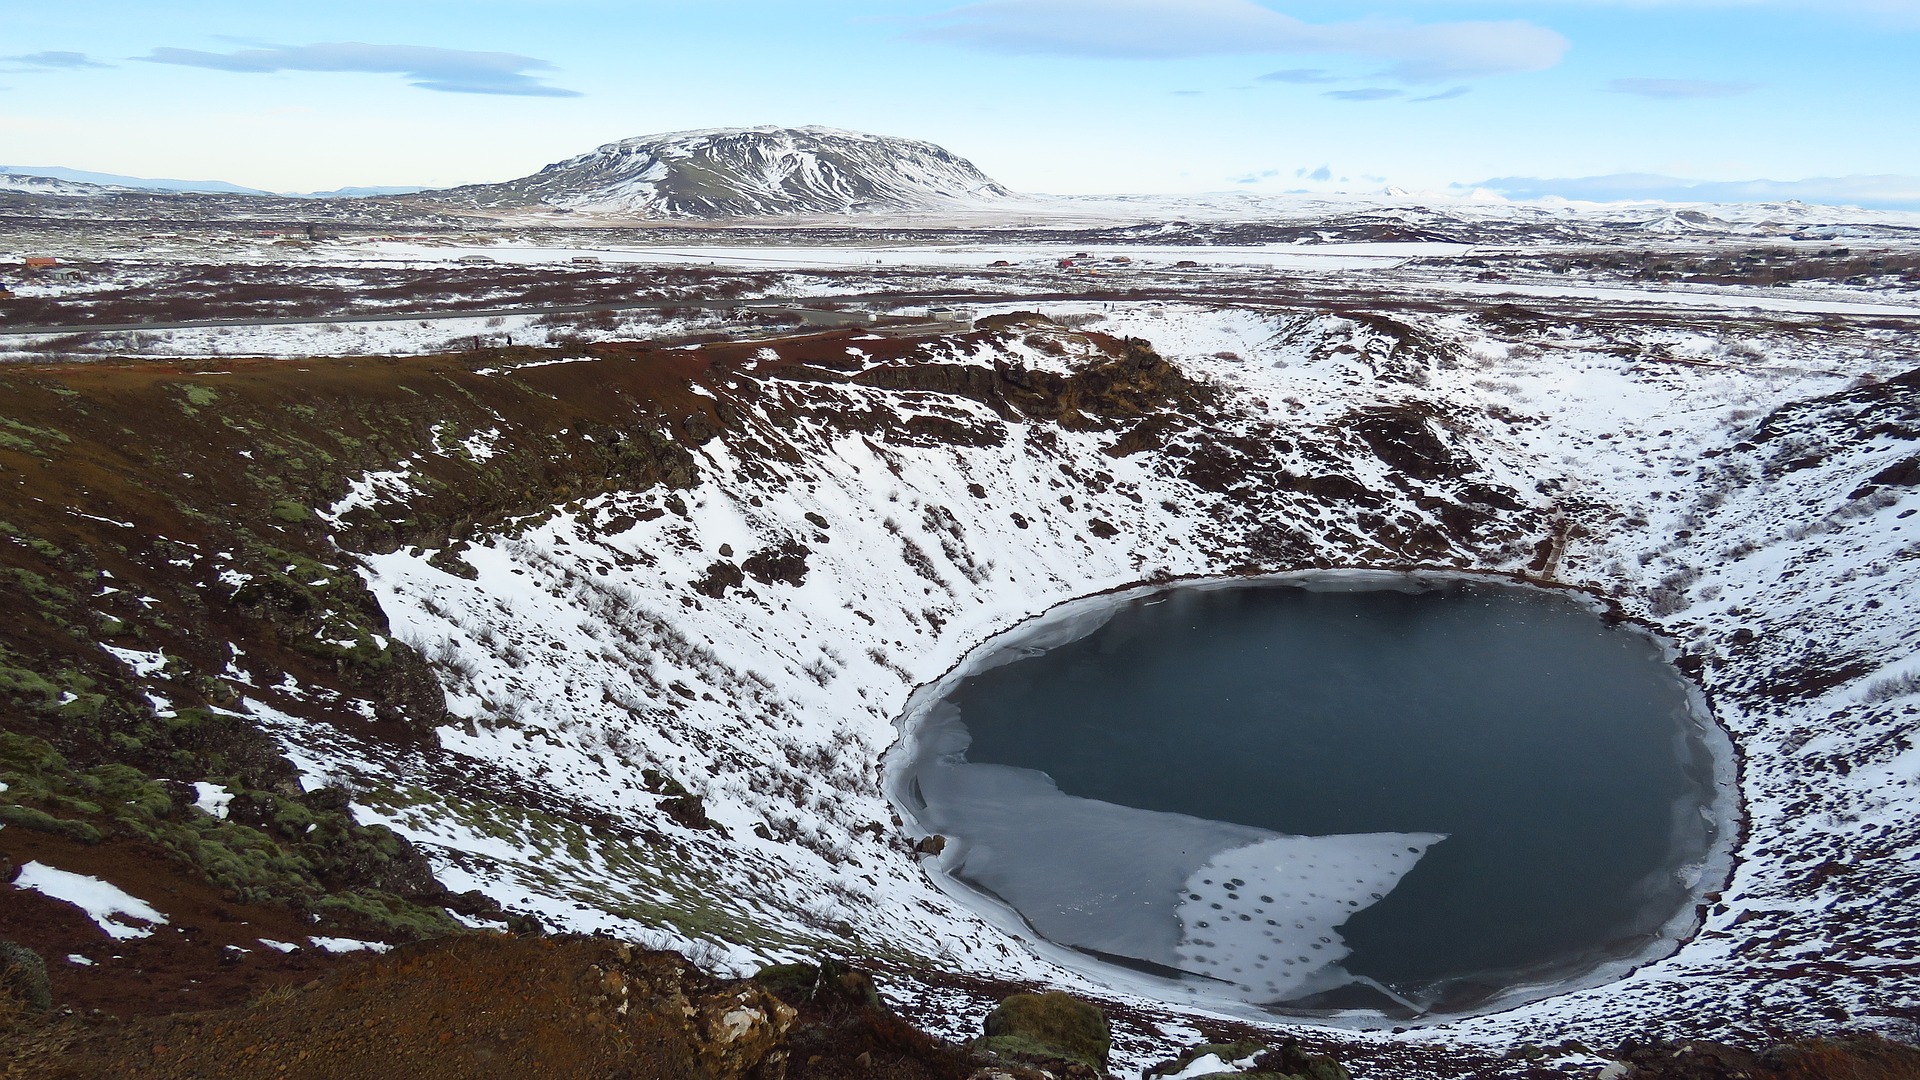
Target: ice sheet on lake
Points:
(1265, 917)
(1252, 909)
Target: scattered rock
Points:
(721, 576)
(785, 562)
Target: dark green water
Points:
(1551, 750)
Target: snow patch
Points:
(119, 914)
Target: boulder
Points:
(23, 976)
(1050, 1026)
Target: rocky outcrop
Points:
(1251, 1061)
(1128, 381)
(472, 1007)
(1039, 1029)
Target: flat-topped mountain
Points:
(747, 172)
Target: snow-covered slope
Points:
(667, 703)
(748, 172)
(51, 186)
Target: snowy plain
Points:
(576, 658)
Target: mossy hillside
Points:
(203, 521)
(175, 512)
(647, 878)
(1041, 1027)
(303, 851)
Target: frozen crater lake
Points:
(1371, 796)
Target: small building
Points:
(939, 320)
(1122, 260)
(475, 259)
(1000, 262)
(1066, 264)
(586, 260)
(951, 320)
(38, 263)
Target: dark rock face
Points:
(721, 576)
(1132, 383)
(1287, 1062)
(1401, 437)
(785, 562)
(845, 1029)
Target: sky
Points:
(1817, 99)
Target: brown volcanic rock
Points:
(468, 1007)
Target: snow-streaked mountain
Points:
(749, 172)
(114, 180)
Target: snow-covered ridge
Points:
(750, 172)
(580, 654)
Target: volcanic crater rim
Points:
(1069, 620)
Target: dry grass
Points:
(1854, 1057)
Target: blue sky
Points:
(1063, 96)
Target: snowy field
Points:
(1708, 467)
(577, 660)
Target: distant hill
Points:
(196, 187)
(746, 172)
(79, 176)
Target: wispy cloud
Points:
(49, 61)
(1904, 11)
(1300, 75)
(1680, 89)
(1165, 29)
(1321, 174)
(1445, 95)
(1369, 93)
(452, 71)
(1878, 192)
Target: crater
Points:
(1355, 795)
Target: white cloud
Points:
(1164, 29)
(1680, 89)
(1873, 192)
(453, 71)
(53, 60)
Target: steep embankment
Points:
(673, 597)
